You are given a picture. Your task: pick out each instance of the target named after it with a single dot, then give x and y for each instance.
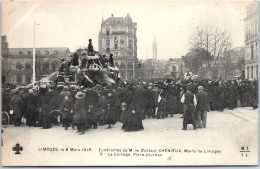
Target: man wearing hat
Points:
(150, 106)
(16, 104)
(90, 48)
(62, 69)
(202, 105)
(31, 108)
(190, 101)
(80, 109)
(44, 104)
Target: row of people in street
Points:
(127, 103)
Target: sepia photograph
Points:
(129, 83)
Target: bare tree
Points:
(213, 39)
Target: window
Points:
(107, 50)
(37, 66)
(47, 52)
(247, 74)
(252, 51)
(19, 78)
(38, 52)
(122, 41)
(181, 69)
(108, 42)
(28, 66)
(116, 43)
(20, 52)
(115, 54)
(256, 50)
(107, 32)
(130, 43)
(28, 79)
(19, 66)
(122, 65)
(256, 28)
(29, 52)
(256, 70)
(45, 66)
(252, 72)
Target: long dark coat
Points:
(16, 103)
(111, 107)
(123, 94)
(132, 120)
(65, 108)
(31, 104)
(80, 109)
(91, 98)
(233, 96)
(54, 99)
(220, 94)
(44, 104)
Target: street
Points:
(226, 133)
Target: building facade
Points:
(153, 69)
(118, 36)
(229, 66)
(17, 63)
(251, 41)
(176, 67)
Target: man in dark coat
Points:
(202, 105)
(16, 104)
(137, 103)
(91, 100)
(62, 70)
(111, 60)
(22, 96)
(220, 95)
(31, 108)
(150, 106)
(75, 59)
(90, 48)
(123, 94)
(44, 104)
(111, 107)
(81, 116)
(91, 97)
(167, 93)
(233, 95)
(66, 109)
(189, 99)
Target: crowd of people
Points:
(87, 108)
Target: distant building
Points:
(154, 49)
(5, 53)
(153, 69)
(251, 41)
(118, 36)
(230, 65)
(176, 67)
(17, 65)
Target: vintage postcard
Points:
(129, 83)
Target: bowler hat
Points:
(80, 95)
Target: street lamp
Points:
(139, 67)
(34, 78)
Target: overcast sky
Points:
(71, 24)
